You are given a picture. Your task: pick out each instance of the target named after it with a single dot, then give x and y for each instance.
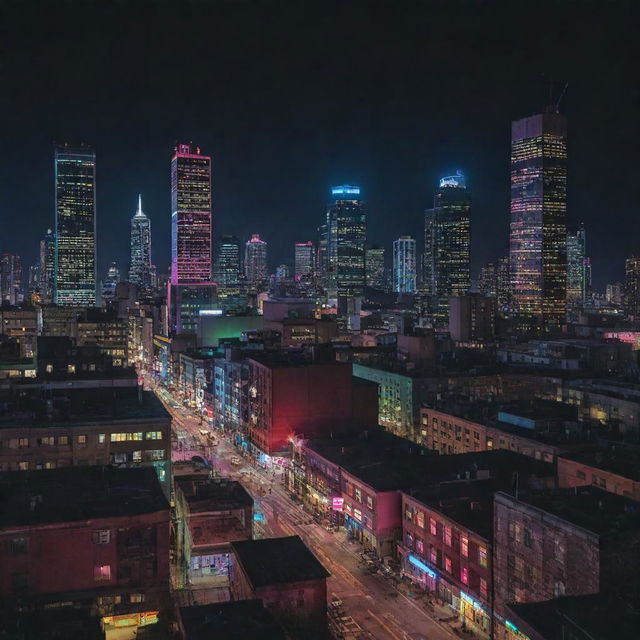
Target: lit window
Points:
(483, 587)
(432, 527)
(136, 597)
(81, 439)
(154, 435)
(357, 514)
(419, 545)
(447, 536)
(49, 368)
(137, 436)
(102, 536)
(63, 441)
(464, 546)
(23, 466)
(358, 494)
(23, 443)
(420, 519)
(370, 502)
(447, 564)
(137, 456)
(464, 575)
(482, 556)
(101, 438)
(49, 465)
(102, 572)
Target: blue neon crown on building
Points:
(454, 181)
(345, 190)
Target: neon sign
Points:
(416, 562)
(337, 504)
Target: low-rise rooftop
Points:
(213, 494)
(620, 459)
(278, 561)
(77, 494)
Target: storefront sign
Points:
(416, 562)
(337, 504)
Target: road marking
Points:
(385, 627)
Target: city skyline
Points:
(395, 149)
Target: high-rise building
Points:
(577, 267)
(304, 260)
(190, 216)
(447, 242)
(226, 269)
(538, 237)
(375, 267)
(488, 280)
(33, 285)
(140, 249)
(632, 287)
(75, 249)
(346, 244)
(404, 265)
(110, 281)
(614, 293)
(321, 256)
(503, 284)
(255, 260)
(47, 267)
(10, 278)
(283, 272)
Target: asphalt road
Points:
(380, 610)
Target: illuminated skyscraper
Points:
(375, 267)
(226, 270)
(538, 238)
(75, 251)
(10, 278)
(190, 216)
(140, 249)
(321, 256)
(404, 265)
(47, 261)
(346, 244)
(110, 281)
(255, 260)
(578, 267)
(447, 242)
(304, 260)
(632, 287)
(488, 280)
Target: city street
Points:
(380, 610)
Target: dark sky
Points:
(292, 97)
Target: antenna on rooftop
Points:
(564, 90)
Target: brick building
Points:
(46, 427)
(615, 469)
(562, 543)
(92, 537)
(287, 577)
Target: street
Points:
(381, 610)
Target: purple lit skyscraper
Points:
(190, 216)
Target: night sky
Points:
(292, 97)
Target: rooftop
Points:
(78, 493)
(41, 407)
(591, 508)
(278, 561)
(219, 494)
(236, 620)
(52, 624)
(619, 459)
(596, 616)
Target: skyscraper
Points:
(538, 237)
(375, 267)
(110, 281)
(488, 280)
(140, 249)
(346, 244)
(255, 260)
(321, 256)
(226, 270)
(75, 249)
(404, 265)
(632, 287)
(10, 278)
(46, 277)
(190, 216)
(304, 260)
(577, 267)
(447, 242)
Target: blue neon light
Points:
(511, 626)
(345, 189)
(416, 562)
(258, 517)
(453, 181)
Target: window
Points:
(101, 438)
(18, 546)
(464, 575)
(433, 556)
(137, 456)
(433, 527)
(420, 519)
(63, 441)
(357, 514)
(156, 454)
(136, 598)
(23, 443)
(49, 368)
(81, 440)
(370, 502)
(408, 514)
(528, 541)
(102, 572)
(483, 587)
(47, 441)
(49, 465)
(154, 435)
(482, 556)
(23, 466)
(447, 536)
(137, 435)
(419, 545)
(102, 536)
(358, 494)
(464, 546)
(447, 564)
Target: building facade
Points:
(255, 260)
(538, 236)
(75, 247)
(578, 268)
(140, 250)
(305, 258)
(226, 271)
(376, 278)
(404, 265)
(632, 288)
(10, 279)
